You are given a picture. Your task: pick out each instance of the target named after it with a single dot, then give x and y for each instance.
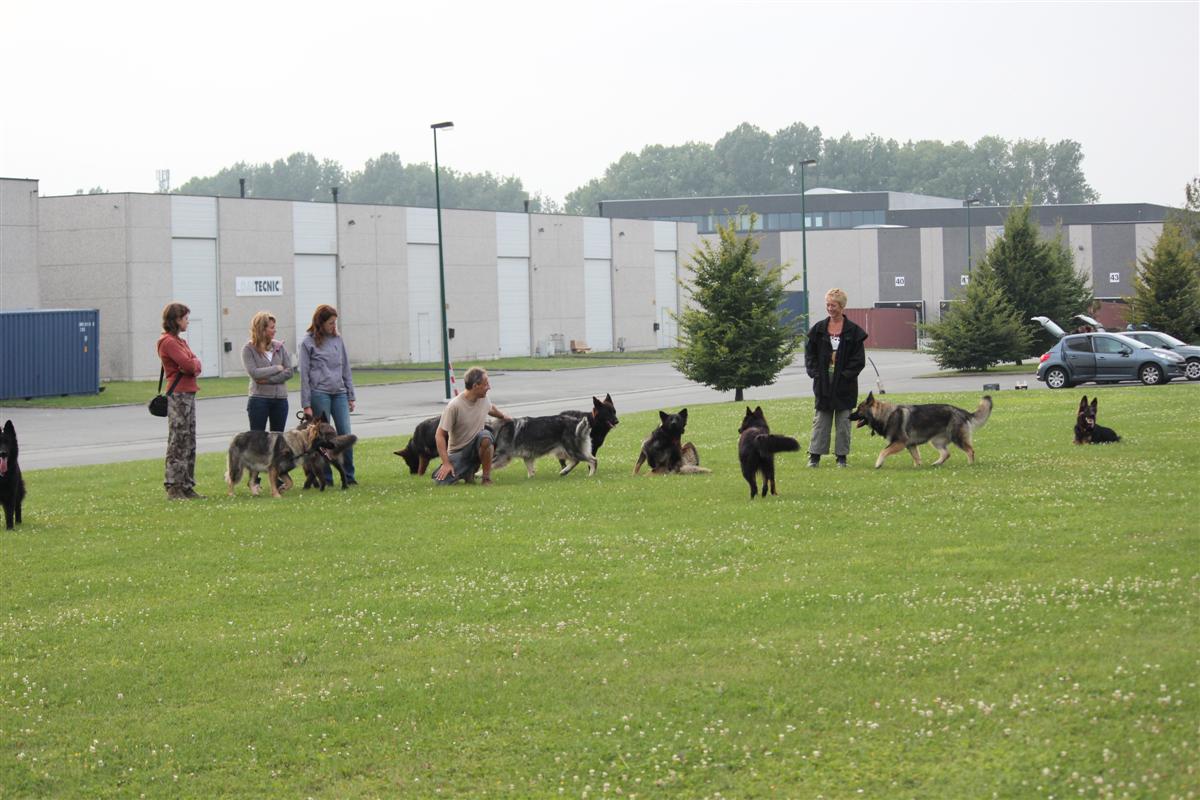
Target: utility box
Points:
(46, 352)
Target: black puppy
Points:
(421, 447)
(757, 447)
(664, 449)
(12, 486)
(603, 418)
(1086, 429)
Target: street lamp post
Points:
(970, 201)
(437, 188)
(808, 162)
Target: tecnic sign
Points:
(250, 287)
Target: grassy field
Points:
(1026, 627)
(115, 393)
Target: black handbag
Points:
(158, 405)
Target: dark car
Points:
(1104, 357)
(1165, 341)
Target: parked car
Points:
(1104, 357)
(1165, 341)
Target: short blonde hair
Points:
(838, 296)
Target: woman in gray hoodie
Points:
(326, 385)
(267, 362)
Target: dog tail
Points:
(780, 444)
(233, 471)
(983, 412)
(583, 435)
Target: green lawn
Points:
(114, 393)
(1026, 627)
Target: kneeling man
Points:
(463, 441)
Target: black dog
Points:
(664, 449)
(421, 447)
(328, 448)
(603, 418)
(529, 438)
(757, 447)
(12, 487)
(1086, 429)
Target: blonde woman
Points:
(833, 356)
(267, 363)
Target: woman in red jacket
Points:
(180, 362)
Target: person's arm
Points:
(185, 360)
(259, 374)
(812, 361)
(856, 358)
(495, 411)
(305, 383)
(347, 378)
(446, 469)
(283, 364)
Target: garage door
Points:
(597, 295)
(316, 283)
(424, 295)
(512, 283)
(666, 296)
(194, 283)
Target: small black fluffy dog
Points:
(421, 447)
(1086, 429)
(664, 449)
(12, 486)
(757, 447)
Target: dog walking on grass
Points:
(757, 447)
(907, 426)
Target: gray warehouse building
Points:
(515, 283)
(909, 251)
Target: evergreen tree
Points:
(736, 336)
(1166, 290)
(981, 329)
(1037, 277)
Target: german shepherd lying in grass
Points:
(1086, 429)
(12, 485)
(602, 418)
(421, 447)
(529, 438)
(757, 447)
(665, 451)
(271, 452)
(907, 426)
(329, 448)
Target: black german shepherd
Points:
(664, 449)
(421, 447)
(329, 448)
(602, 418)
(1086, 429)
(12, 485)
(757, 447)
(906, 426)
(529, 438)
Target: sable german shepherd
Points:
(271, 452)
(1086, 429)
(530, 438)
(602, 418)
(907, 426)
(757, 447)
(665, 451)
(329, 448)
(12, 485)
(421, 447)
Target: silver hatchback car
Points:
(1104, 357)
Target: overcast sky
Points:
(105, 94)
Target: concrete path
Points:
(69, 437)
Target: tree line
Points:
(746, 160)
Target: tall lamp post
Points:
(808, 162)
(970, 201)
(437, 189)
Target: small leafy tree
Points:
(1166, 290)
(980, 330)
(737, 336)
(1037, 276)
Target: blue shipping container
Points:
(50, 351)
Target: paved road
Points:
(69, 437)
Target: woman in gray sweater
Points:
(267, 362)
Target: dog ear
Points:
(683, 414)
(608, 399)
(870, 398)
(596, 402)
(1095, 404)
(758, 412)
(749, 413)
(1083, 403)
(9, 429)
(663, 416)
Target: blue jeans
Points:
(337, 408)
(262, 409)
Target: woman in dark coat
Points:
(833, 356)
